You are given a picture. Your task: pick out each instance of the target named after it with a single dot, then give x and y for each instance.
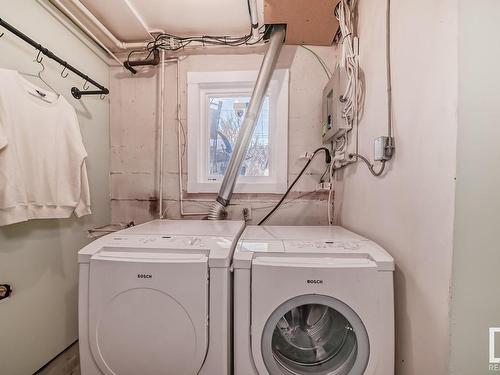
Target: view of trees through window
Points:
(226, 116)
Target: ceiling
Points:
(122, 25)
(133, 20)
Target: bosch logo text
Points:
(315, 281)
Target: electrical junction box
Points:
(334, 126)
(381, 149)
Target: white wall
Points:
(476, 277)
(134, 139)
(410, 210)
(39, 258)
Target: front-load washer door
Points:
(304, 325)
(148, 313)
(315, 334)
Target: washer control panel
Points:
(310, 245)
(297, 246)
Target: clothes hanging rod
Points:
(76, 92)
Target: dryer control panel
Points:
(217, 248)
(153, 241)
(304, 245)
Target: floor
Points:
(67, 363)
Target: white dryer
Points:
(155, 299)
(312, 300)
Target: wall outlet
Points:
(306, 155)
(324, 186)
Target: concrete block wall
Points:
(135, 139)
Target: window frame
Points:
(201, 86)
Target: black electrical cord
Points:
(328, 160)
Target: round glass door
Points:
(316, 335)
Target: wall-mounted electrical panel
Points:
(334, 125)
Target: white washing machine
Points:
(155, 299)
(312, 300)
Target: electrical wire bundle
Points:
(348, 60)
(352, 95)
(173, 42)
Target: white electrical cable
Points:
(330, 196)
(339, 151)
(320, 60)
(341, 12)
(348, 61)
(180, 153)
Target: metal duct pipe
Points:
(217, 210)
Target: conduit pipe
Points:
(162, 128)
(254, 19)
(179, 155)
(218, 208)
(65, 10)
(161, 213)
(138, 18)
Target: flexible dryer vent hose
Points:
(218, 208)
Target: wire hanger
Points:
(67, 67)
(39, 74)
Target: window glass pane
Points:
(225, 117)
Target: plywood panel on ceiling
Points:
(308, 21)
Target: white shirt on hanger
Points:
(42, 158)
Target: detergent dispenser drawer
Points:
(148, 312)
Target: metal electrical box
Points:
(334, 126)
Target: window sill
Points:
(317, 195)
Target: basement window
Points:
(217, 104)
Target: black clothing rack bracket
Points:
(76, 92)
